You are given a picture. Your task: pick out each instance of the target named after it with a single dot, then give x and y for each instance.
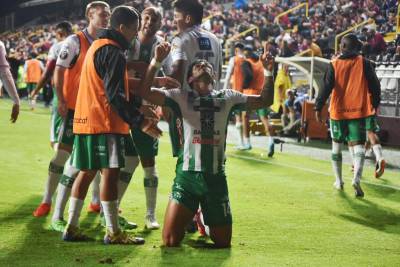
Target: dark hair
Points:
(65, 26)
(125, 15)
(192, 8)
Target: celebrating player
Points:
(200, 177)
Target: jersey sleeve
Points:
(173, 99)
(3, 60)
(235, 99)
(178, 49)
(68, 52)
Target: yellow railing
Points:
(368, 21)
(228, 41)
(291, 10)
(302, 53)
(211, 16)
(398, 20)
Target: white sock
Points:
(64, 189)
(337, 161)
(239, 129)
(246, 140)
(56, 167)
(351, 151)
(377, 151)
(74, 212)
(270, 140)
(110, 209)
(61, 201)
(150, 188)
(96, 189)
(359, 157)
(126, 174)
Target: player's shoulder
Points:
(73, 39)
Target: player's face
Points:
(99, 17)
(151, 23)
(60, 35)
(129, 31)
(180, 20)
(203, 73)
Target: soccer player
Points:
(236, 76)
(66, 79)
(33, 71)
(355, 95)
(8, 82)
(103, 116)
(200, 177)
(145, 146)
(253, 82)
(63, 30)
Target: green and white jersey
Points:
(204, 120)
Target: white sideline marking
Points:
(306, 170)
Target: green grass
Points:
(285, 212)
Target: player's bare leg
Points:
(176, 218)
(271, 144)
(246, 131)
(221, 235)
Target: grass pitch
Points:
(285, 211)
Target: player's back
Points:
(196, 43)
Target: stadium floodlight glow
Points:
(38, 2)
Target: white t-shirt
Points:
(205, 121)
(54, 51)
(70, 50)
(196, 43)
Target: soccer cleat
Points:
(151, 222)
(94, 208)
(245, 147)
(58, 225)
(380, 168)
(121, 238)
(200, 226)
(123, 223)
(42, 210)
(358, 190)
(73, 234)
(338, 186)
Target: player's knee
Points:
(171, 240)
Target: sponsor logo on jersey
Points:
(205, 141)
(204, 43)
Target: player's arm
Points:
(325, 92)
(48, 71)
(8, 81)
(58, 84)
(229, 72)
(156, 97)
(374, 86)
(266, 98)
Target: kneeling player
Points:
(200, 176)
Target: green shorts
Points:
(98, 151)
(263, 112)
(55, 125)
(371, 124)
(130, 150)
(145, 145)
(209, 190)
(348, 130)
(66, 135)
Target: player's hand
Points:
(162, 51)
(267, 59)
(14, 113)
(149, 126)
(166, 82)
(62, 108)
(149, 112)
(318, 116)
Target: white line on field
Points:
(306, 170)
